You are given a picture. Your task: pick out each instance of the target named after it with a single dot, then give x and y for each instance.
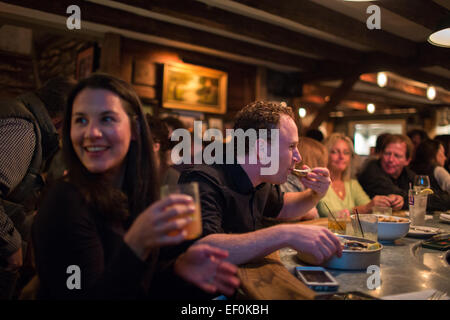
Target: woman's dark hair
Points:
(425, 157)
(139, 188)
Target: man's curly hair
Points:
(262, 115)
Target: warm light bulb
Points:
(431, 93)
(370, 108)
(302, 112)
(382, 79)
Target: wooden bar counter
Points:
(268, 278)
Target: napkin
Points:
(416, 295)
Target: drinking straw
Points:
(332, 215)
(359, 222)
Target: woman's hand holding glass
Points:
(161, 224)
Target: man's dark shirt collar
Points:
(241, 181)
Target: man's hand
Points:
(381, 201)
(205, 266)
(14, 261)
(317, 180)
(396, 201)
(318, 242)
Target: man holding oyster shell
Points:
(236, 197)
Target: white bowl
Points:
(390, 231)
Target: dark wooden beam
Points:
(137, 23)
(215, 18)
(375, 62)
(110, 55)
(321, 18)
(338, 95)
(380, 97)
(424, 12)
(425, 77)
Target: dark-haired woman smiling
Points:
(105, 217)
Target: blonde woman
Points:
(345, 193)
(314, 154)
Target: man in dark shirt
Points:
(390, 175)
(236, 197)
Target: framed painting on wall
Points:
(196, 88)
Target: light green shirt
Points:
(354, 196)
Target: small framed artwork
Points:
(144, 73)
(85, 63)
(191, 87)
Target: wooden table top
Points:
(268, 278)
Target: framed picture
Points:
(85, 63)
(196, 88)
(144, 73)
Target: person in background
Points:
(161, 148)
(391, 174)
(314, 154)
(445, 140)
(345, 193)
(417, 136)
(28, 143)
(375, 152)
(315, 134)
(429, 160)
(104, 218)
(236, 197)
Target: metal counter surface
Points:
(405, 267)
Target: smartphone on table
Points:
(317, 278)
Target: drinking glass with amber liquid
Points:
(337, 221)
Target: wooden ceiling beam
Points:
(321, 18)
(338, 95)
(425, 77)
(362, 96)
(376, 62)
(143, 25)
(215, 18)
(425, 13)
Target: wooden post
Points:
(335, 99)
(261, 83)
(110, 55)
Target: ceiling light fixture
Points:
(382, 79)
(370, 108)
(431, 93)
(441, 36)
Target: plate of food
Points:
(422, 231)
